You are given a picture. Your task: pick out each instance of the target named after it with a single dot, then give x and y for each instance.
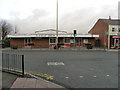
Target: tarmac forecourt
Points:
(75, 69)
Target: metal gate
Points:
(13, 63)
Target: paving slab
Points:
(30, 83)
(33, 83)
(19, 83)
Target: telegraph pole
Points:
(57, 23)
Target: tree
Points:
(6, 28)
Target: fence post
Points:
(23, 65)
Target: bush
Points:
(6, 43)
(31, 44)
(14, 47)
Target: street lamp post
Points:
(57, 23)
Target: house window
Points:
(113, 29)
(27, 40)
(78, 40)
(52, 40)
(85, 41)
(67, 40)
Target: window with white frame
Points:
(113, 29)
(28, 40)
(52, 40)
(85, 41)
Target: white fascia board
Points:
(95, 35)
(87, 35)
(65, 36)
(20, 36)
(49, 35)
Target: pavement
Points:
(61, 49)
(33, 83)
(13, 81)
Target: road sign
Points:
(106, 32)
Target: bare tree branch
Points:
(6, 28)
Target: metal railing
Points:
(13, 63)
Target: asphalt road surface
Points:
(75, 69)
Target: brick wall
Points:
(99, 28)
(41, 43)
(17, 42)
(92, 41)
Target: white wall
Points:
(116, 32)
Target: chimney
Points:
(109, 17)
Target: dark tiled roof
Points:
(112, 21)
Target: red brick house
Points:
(108, 31)
(47, 39)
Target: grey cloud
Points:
(30, 23)
(84, 19)
(81, 19)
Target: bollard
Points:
(23, 65)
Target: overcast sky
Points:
(32, 15)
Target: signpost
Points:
(106, 33)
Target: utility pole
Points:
(57, 24)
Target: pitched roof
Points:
(112, 21)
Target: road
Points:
(95, 69)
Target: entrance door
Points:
(117, 42)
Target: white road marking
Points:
(55, 63)
(81, 76)
(66, 77)
(94, 76)
(108, 75)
